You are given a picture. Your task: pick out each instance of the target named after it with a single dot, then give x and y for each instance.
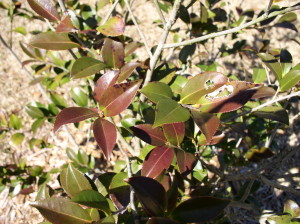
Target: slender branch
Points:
(247, 191)
(110, 12)
(233, 30)
(158, 10)
(269, 7)
(138, 28)
(63, 7)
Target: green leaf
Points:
(289, 80)
(119, 191)
(157, 91)
(259, 75)
(15, 122)
(169, 111)
(79, 97)
(43, 193)
(200, 85)
(21, 30)
(151, 194)
(36, 110)
(45, 8)
(271, 62)
(199, 209)
(58, 100)
(273, 113)
(37, 124)
(73, 181)
(92, 199)
(53, 41)
(61, 210)
(288, 17)
(17, 138)
(292, 208)
(178, 83)
(174, 133)
(86, 66)
(113, 27)
(113, 53)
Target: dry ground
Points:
(16, 93)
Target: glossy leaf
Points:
(58, 100)
(105, 135)
(272, 63)
(174, 132)
(73, 181)
(79, 97)
(199, 209)
(72, 115)
(118, 97)
(119, 191)
(157, 160)
(215, 139)
(200, 85)
(127, 70)
(53, 41)
(169, 111)
(178, 83)
(150, 193)
(65, 25)
(61, 210)
(157, 91)
(45, 9)
(273, 113)
(103, 83)
(115, 26)
(113, 53)
(259, 75)
(185, 161)
(161, 220)
(289, 80)
(208, 123)
(264, 91)
(92, 199)
(232, 96)
(149, 134)
(86, 66)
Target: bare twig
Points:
(233, 30)
(247, 191)
(138, 29)
(110, 12)
(162, 18)
(269, 7)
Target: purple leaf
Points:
(65, 25)
(185, 161)
(150, 135)
(113, 53)
(104, 82)
(127, 70)
(174, 132)
(45, 9)
(115, 26)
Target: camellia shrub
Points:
(184, 132)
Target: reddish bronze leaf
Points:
(153, 136)
(104, 82)
(157, 160)
(174, 133)
(264, 92)
(231, 96)
(185, 161)
(113, 53)
(207, 122)
(72, 115)
(215, 139)
(105, 135)
(118, 97)
(45, 9)
(127, 70)
(65, 25)
(115, 26)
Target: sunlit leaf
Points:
(61, 210)
(92, 199)
(185, 161)
(86, 66)
(103, 83)
(45, 8)
(72, 115)
(115, 26)
(231, 96)
(259, 75)
(272, 63)
(65, 25)
(200, 85)
(17, 138)
(79, 97)
(15, 122)
(149, 134)
(73, 181)
(21, 30)
(159, 159)
(150, 193)
(113, 53)
(289, 80)
(174, 132)
(199, 209)
(118, 97)
(106, 136)
(119, 191)
(273, 113)
(208, 123)
(127, 70)
(169, 111)
(157, 91)
(264, 91)
(215, 139)
(53, 41)
(292, 208)
(256, 155)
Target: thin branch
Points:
(247, 191)
(233, 30)
(158, 10)
(139, 30)
(110, 12)
(269, 7)
(63, 7)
